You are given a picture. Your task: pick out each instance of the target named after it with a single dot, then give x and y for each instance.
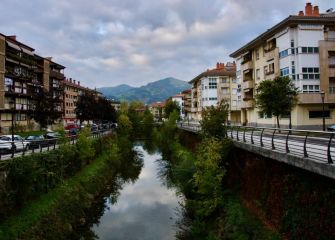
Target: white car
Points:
(6, 143)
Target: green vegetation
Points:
(63, 213)
(276, 97)
(210, 211)
(170, 107)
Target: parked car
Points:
(331, 128)
(52, 137)
(6, 143)
(36, 141)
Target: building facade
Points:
(213, 86)
(301, 47)
(187, 103)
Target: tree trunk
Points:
(278, 126)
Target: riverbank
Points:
(59, 213)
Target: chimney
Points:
(308, 9)
(316, 11)
(217, 65)
(301, 13)
(70, 80)
(74, 81)
(13, 37)
(79, 83)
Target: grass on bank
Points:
(32, 214)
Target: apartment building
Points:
(187, 103)
(71, 92)
(302, 47)
(213, 86)
(178, 98)
(157, 110)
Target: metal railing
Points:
(316, 145)
(12, 149)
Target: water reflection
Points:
(144, 210)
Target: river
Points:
(144, 210)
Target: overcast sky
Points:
(111, 42)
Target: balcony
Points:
(311, 98)
(57, 75)
(247, 103)
(267, 73)
(248, 84)
(269, 56)
(247, 66)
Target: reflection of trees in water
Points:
(128, 170)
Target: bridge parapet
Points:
(310, 150)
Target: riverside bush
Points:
(25, 178)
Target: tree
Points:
(105, 111)
(46, 108)
(85, 107)
(276, 97)
(214, 119)
(148, 123)
(170, 106)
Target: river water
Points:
(144, 210)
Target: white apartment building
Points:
(301, 47)
(178, 98)
(213, 86)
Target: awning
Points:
(27, 51)
(13, 46)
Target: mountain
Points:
(152, 92)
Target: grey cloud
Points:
(108, 42)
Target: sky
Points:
(105, 43)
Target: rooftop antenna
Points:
(329, 10)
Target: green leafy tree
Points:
(45, 109)
(105, 111)
(214, 119)
(276, 97)
(171, 106)
(85, 107)
(125, 126)
(148, 123)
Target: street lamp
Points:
(12, 107)
(322, 93)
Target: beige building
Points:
(157, 110)
(301, 47)
(187, 103)
(72, 91)
(213, 86)
(22, 75)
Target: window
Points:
(212, 83)
(283, 53)
(292, 43)
(8, 84)
(225, 90)
(310, 88)
(224, 80)
(234, 91)
(238, 73)
(234, 80)
(234, 103)
(263, 115)
(318, 114)
(213, 99)
(284, 71)
(310, 73)
(331, 55)
(309, 50)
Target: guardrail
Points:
(11, 149)
(316, 145)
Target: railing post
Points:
(252, 136)
(231, 133)
(272, 140)
(237, 138)
(13, 149)
(244, 136)
(329, 157)
(262, 145)
(286, 144)
(305, 144)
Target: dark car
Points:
(331, 128)
(52, 137)
(36, 141)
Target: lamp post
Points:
(12, 107)
(322, 93)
